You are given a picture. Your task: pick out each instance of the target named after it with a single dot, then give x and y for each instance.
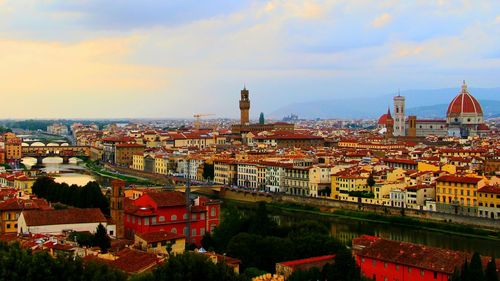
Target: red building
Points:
(388, 260)
(166, 211)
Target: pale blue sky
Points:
(149, 58)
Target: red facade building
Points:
(167, 211)
(387, 260)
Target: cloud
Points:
(381, 20)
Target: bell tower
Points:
(399, 116)
(244, 107)
(116, 201)
(389, 125)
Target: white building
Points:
(59, 221)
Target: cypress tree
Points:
(476, 268)
(102, 239)
(490, 273)
(464, 273)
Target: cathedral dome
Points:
(383, 119)
(464, 102)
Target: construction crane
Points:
(197, 119)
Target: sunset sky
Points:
(151, 58)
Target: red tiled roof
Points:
(64, 216)
(295, 263)
(133, 261)
(459, 179)
(418, 256)
(20, 204)
(490, 189)
(167, 198)
(157, 236)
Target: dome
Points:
(464, 102)
(383, 119)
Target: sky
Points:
(165, 59)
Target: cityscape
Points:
(237, 140)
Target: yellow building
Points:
(225, 172)
(138, 162)
(489, 201)
(160, 242)
(11, 209)
(345, 182)
(24, 183)
(458, 194)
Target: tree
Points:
(464, 273)
(208, 171)
(262, 120)
(192, 266)
(101, 239)
(370, 182)
(490, 274)
(476, 268)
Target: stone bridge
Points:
(65, 152)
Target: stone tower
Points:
(389, 125)
(399, 116)
(244, 107)
(116, 201)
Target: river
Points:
(343, 229)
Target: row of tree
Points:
(260, 243)
(344, 268)
(87, 196)
(99, 239)
(473, 270)
(19, 264)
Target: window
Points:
(173, 230)
(146, 221)
(422, 272)
(363, 259)
(212, 211)
(193, 232)
(161, 218)
(193, 216)
(409, 269)
(435, 275)
(202, 231)
(173, 218)
(185, 216)
(7, 225)
(202, 216)
(153, 221)
(185, 231)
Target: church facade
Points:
(464, 118)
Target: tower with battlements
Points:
(244, 107)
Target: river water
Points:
(344, 229)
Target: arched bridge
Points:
(65, 152)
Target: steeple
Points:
(389, 111)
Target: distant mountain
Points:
(491, 108)
(421, 102)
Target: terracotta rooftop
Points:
(64, 216)
(157, 236)
(459, 179)
(167, 199)
(414, 255)
(295, 263)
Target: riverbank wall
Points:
(330, 205)
(154, 178)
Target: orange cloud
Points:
(381, 20)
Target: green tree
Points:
(476, 268)
(491, 273)
(208, 171)
(262, 120)
(464, 273)
(456, 275)
(101, 239)
(192, 266)
(370, 182)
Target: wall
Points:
(245, 196)
(384, 210)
